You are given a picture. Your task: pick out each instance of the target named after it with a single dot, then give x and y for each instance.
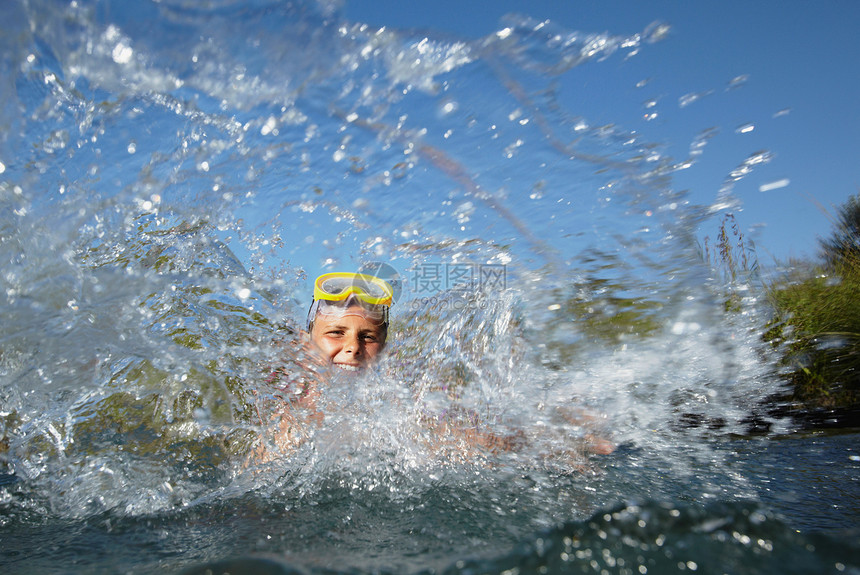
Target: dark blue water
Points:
(172, 173)
(804, 520)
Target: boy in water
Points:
(348, 320)
(347, 328)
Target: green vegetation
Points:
(603, 305)
(733, 259)
(816, 311)
(817, 319)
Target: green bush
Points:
(817, 319)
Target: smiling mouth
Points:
(348, 367)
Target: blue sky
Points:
(800, 96)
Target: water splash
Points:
(165, 195)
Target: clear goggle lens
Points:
(377, 314)
(342, 294)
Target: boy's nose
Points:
(352, 345)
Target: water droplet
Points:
(656, 31)
(692, 98)
(269, 127)
(738, 81)
(448, 107)
(775, 185)
(122, 53)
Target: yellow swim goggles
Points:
(338, 286)
(341, 294)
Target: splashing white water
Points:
(136, 345)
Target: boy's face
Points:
(350, 342)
